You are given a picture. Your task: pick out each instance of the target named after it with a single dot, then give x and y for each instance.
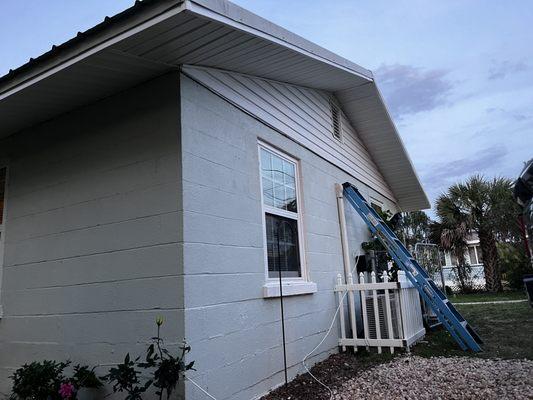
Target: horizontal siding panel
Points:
(301, 113)
(99, 297)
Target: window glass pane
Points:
(2, 193)
(282, 247)
(454, 260)
(290, 199)
(268, 191)
(472, 254)
(279, 181)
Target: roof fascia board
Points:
(244, 20)
(93, 48)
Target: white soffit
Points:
(156, 37)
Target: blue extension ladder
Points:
(463, 334)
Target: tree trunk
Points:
(463, 271)
(491, 261)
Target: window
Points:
(472, 255)
(282, 214)
(455, 261)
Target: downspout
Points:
(346, 257)
(344, 234)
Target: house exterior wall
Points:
(235, 332)
(92, 231)
(114, 217)
(473, 257)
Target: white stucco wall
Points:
(234, 332)
(92, 231)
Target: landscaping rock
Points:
(442, 378)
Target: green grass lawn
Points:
(506, 329)
(468, 298)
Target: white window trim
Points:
(476, 247)
(447, 259)
(5, 165)
(290, 286)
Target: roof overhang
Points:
(155, 37)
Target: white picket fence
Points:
(390, 312)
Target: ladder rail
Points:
(452, 320)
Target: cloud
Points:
(500, 69)
(410, 90)
(440, 176)
(513, 115)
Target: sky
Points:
(457, 76)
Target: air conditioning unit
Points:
(383, 318)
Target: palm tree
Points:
(452, 235)
(482, 206)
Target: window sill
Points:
(271, 289)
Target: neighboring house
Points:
(169, 161)
(473, 258)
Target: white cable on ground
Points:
(324, 338)
(199, 387)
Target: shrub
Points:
(165, 370)
(126, 378)
(514, 264)
(46, 380)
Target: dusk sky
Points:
(457, 76)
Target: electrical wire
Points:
(199, 387)
(308, 354)
(325, 336)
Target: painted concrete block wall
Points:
(234, 332)
(93, 230)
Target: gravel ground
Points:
(442, 378)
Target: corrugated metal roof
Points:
(79, 38)
(155, 36)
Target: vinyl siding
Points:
(301, 113)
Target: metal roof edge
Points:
(89, 42)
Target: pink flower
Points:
(67, 390)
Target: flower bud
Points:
(159, 320)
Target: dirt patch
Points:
(333, 372)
